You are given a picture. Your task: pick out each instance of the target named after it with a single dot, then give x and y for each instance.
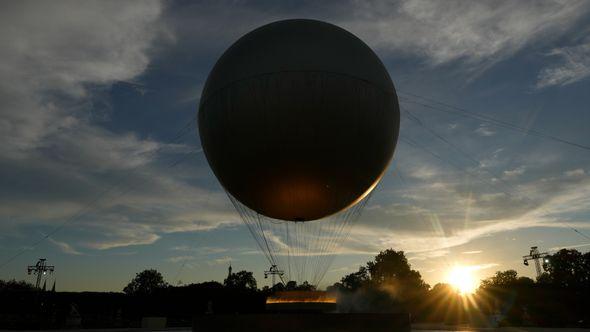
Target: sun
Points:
(462, 279)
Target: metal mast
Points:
(535, 255)
(274, 271)
(40, 269)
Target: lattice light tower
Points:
(40, 269)
(273, 272)
(535, 255)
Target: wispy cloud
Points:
(571, 246)
(221, 261)
(124, 239)
(476, 32)
(424, 172)
(201, 250)
(428, 254)
(575, 172)
(177, 259)
(485, 131)
(479, 267)
(510, 174)
(55, 72)
(573, 66)
(473, 252)
(549, 205)
(39, 70)
(64, 247)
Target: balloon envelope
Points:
(298, 120)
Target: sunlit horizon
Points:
(461, 278)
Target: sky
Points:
(101, 170)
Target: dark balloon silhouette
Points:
(299, 120)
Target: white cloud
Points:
(424, 172)
(428, 254)
(574, 66)
(221, 261)
(49, 57)
(575, 172)
(177, 259)
(472, 252)
(509, 174)
(201, 250)
(550, 203)
(140, 218)
(56, 68)
(97, 42)
(64, 247)
(123, 235)
(485, 131)
(477, 32)
(484, 266)
(92, 148)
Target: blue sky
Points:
(91, 102)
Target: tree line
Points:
(560, 297)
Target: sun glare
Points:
(462, 279)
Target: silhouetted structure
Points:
(535, 255)
(40, 269)
(274, 272)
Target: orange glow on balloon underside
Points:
(301, 297)
(305, 199)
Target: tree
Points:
(291, 285)
(392, 268)
(355, 280)
(278, 287)
(241, 280)
(525, 282)
(500, 279)
(13, 285)
(306, 286)
(443, 304)
(568, 269)
(145, 283)
(544, 279)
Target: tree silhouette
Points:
(13, 285)
(306, 286)
(387, 284)
(355, 280)
(291, 285)
(145, 283)
(501, 279)
(568, 269)
(391, 268)
(241, 280)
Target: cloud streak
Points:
(573, 66)
(432, 234)
(64, 247)
(479, 33)
(56, 72)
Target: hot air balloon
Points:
(298, 120)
